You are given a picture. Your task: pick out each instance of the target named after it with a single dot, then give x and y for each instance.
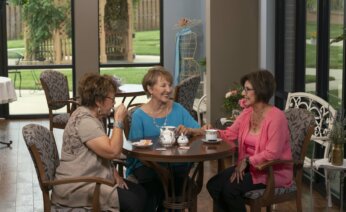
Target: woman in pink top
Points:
(262, 134)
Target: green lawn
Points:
(127, 75)
(145, 43)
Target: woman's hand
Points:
(120, 112)
(182, 129)
(189, 131)
(120, 181)
(207, 127)
(239, 171)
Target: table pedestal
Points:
(191, 186)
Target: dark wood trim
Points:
(300, 46)
(322, 66)
(3, 52)
(280, 52)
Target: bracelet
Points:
(118, 124)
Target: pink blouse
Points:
(274, 143)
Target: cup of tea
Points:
(211, 135)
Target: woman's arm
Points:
(106, 147)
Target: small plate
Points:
(141, 144)
(212, 141)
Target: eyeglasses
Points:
(111, 98)
(248, 89)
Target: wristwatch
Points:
(118, 124)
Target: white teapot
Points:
(182, 140)
(167, 136)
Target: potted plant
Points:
(337, 137)
(231, 101)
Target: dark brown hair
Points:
(153, 75)
(94, 87)
(263, 83)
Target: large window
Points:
(39, 37)
(130, 33)
(317, 46)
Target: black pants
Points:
(229, 196)
(148, 178)
(133, 199)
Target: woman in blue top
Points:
(147, 121)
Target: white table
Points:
(7, 95)
(7, 91)
(325, 164)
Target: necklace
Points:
(255, 120)
(164, 123)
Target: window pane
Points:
(38, 37)
(336, 53)
(129, 31)
(311, 47)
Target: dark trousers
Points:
(133, 199)
(229, 196)
(148, 178)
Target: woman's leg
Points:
(229, 196)
(133, 199)
(149, 180)
(215, 186)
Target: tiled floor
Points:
(19, 189)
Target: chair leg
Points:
(20, 84)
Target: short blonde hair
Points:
(153, 74)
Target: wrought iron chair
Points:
(185, 93)
(201, 109)
(43, 150)
(55, 87)
(301, 124)
(324, 115)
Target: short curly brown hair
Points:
(263, 83)
(95, 87)
(153, 75)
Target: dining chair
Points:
(120, 162)
(55, 86)
(301, 125)
(43, 150)
(185, 93)
(324, 115)
(201, 109)
(16, 58)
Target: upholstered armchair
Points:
(55, 86)
(43, 150)
(185, 93)
(301, 124)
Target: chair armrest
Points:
(98, 180)
(267, 164)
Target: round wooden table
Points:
(130, 90)
(197, 153)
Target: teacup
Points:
(211, 135)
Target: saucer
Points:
(212, 141)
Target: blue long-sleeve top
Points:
(144, 126)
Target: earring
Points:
(99, 110)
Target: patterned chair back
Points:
(185, 92)
(43, 150)
(55, 86)
(299, 121)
